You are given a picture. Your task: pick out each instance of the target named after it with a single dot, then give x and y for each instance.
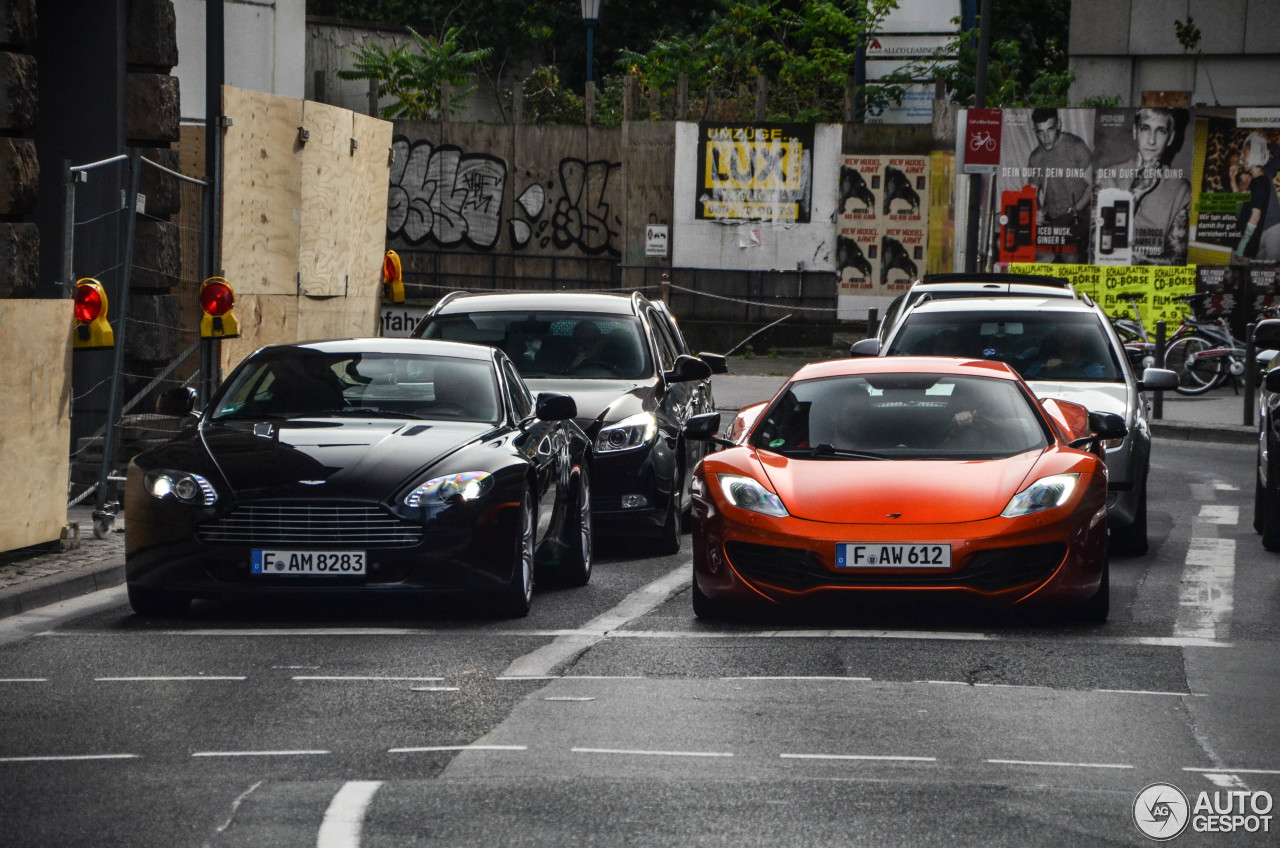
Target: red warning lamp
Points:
(92, 329)
(216, 299)
(392, 278)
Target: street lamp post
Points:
(590, 14)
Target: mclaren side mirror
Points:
(705, 428)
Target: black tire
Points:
(1195, 377)
(575, 563)
(1259, 503)
(157, 603)
(1271, 507)
(706, 609)
(667, 541)
(1098, 607)
(1132, 540)
(514, 600)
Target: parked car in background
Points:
(1065, 348)
(1266, 500)
(912, 475)
(625, 362)
(377, 466)
(942, 286)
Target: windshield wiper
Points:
(825, 450)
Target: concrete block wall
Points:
(19, 170)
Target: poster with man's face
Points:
(1050, 151)
(1143, 186)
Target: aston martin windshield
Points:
(307, 383)
(901, 416)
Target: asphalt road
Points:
(611, 716)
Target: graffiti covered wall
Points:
(507, 189)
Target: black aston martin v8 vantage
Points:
(362, 465)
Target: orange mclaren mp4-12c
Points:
(904, 475)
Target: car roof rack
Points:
(448, 297)
(1002, 277)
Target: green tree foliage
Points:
(414, 73)
(1027, 62)
(805, 48)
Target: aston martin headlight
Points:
(1045, 493)
(466, 486)
(750, 495)
(634, 431)
(182, 486)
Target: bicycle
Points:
(1138, 344)
(1203, 350)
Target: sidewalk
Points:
(33, 579)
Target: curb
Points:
(53, 588)
(1234, 434)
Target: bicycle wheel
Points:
(1195, 376)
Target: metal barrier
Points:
(110, 253)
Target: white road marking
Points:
(235, 807)
(649, 753)
(260, 753)
(344, 819)
(436, 749)
(1219, 514)
(873, 757)
(1226, 781)
(803, 679)
(163, 678)
(1226, 487)
(24, 680)
(568, 698)
(433, 689)
(59, 758)
(808, 634)
(1206, 598)
(1231, 770)
(1148, 692)
(359, 678)
(1059, 765)
(547, 658)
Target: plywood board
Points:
(35, 420)
(262, 192)
(327, 169)
(264, 319)
(338, 317)
(367, 218)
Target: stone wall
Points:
(19, 171)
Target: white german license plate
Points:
(307, 562)
(879, 555)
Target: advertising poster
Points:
(1050, 151)
(1018, 225)
(882, 227)
(1239, 204)
(755, 172)
(1142, 177)
(1104, 283)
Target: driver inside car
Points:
(1066, 359)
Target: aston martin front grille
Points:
(987, 571)
(311, 524)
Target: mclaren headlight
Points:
(750, 495)
(634, 431)
(1045, 493)
(183, 486)
(466, 486)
